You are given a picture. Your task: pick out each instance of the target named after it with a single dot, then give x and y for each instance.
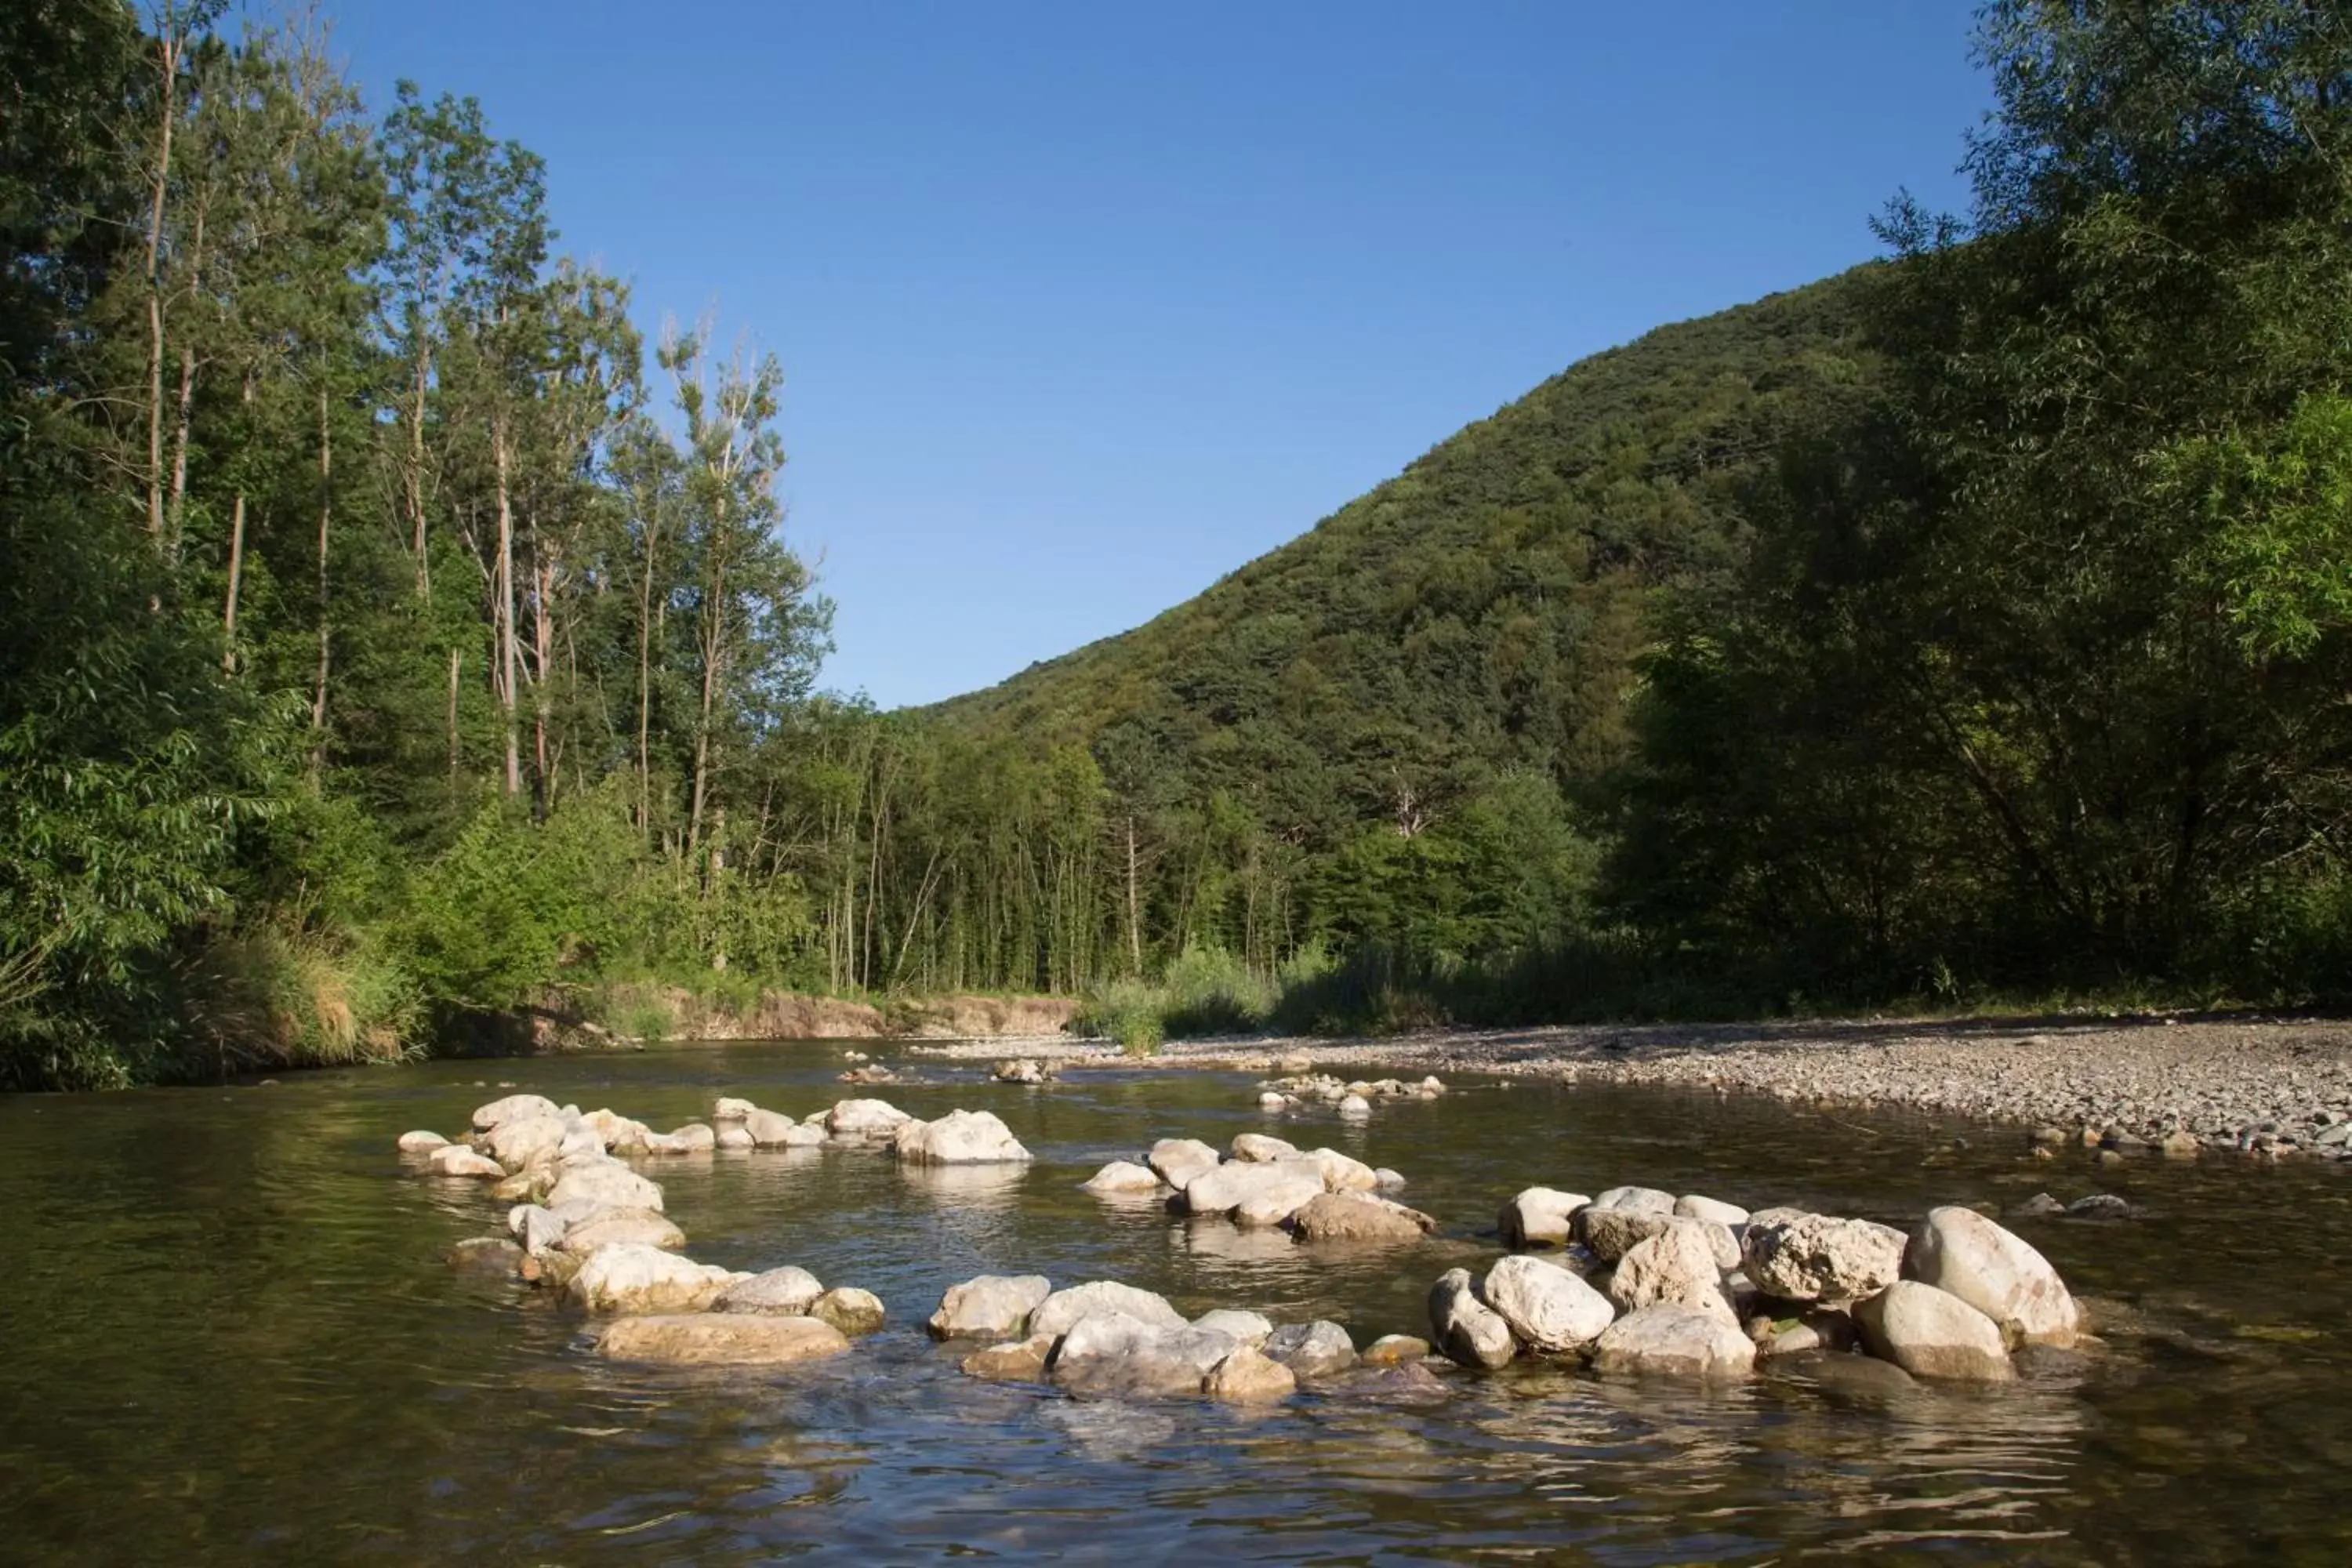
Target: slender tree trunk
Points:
(176, 508)
(1134, 909)
(645, 690)
(326, 515)
(714, 649)
(167, 47)
(503, 611)
(542, 640)
(416, 476)
(236, 558)
(456, 658)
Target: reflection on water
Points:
(232, 1338)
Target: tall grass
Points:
(266, 996)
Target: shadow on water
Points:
(232, 1339)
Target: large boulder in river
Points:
(1062, 1310)
(1932, 1333)
(1121, 1176)
(1636, 1200)
(1539, 1216)
(960, 1138)
(633, 1278)
(513, 1108)
(1341, 1173)
(1678, 1265)
(1178, 1161)
(1112, 1354)
(608, 1183)
(786, 1292)
(865, 1118)
(995, 1306)
(1548, 1308)
(1319, 1349)
(520, 1141)
(1281, 1188)
(1996, 1272)
(620, 1228)
(1611, 1233)
(773, 1130)
(1674, 1342)
(1464, 1329)
(703, 1339)
(1820, 1257)
(1352, 1219)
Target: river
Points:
(231, 1339)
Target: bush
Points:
(268, 996)
(1126, 1011)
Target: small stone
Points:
(784, 1292)
(1690, 1205)
(707, 1339)
(1637, 1200)
(1548, 1308)
(1260, 1149)
(1120, 1176)
(1347, 1218)
(2181, 1144)
(1064, 1309)
(848, 1309)
(1247, 1376)
(1611, 1233)
(1464, 1329)
(1179, 1160)
(2099, 1205)
(1312, 1350)
(1674, 1341)
(993, 1306)
(457, 1159)
(2040, 1205)
(1355, 1105)
(490, 1254)
(1396, 1349)
(1018, 1361)
(1250, 1327)
(1539, 1216)
(421, 1143)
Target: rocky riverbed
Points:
(2268, 1088)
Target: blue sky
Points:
(1083, 306)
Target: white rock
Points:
(537, 1228)
(864, 1119)
(1341, 1173)
(731, 1109)
(1674, 1342)
(735, 1136)
(1251, 1328)
(1119, 1176)
(1690, 1205)
(1260, 1147)
(1677, 1266)
(1247, 1377)
(620, 1228)
(630, 1278)
(1464, 1329)
(960, 1138)
(787, 1292)
(1111, 1354)
(993, 1306)
(1319, 1349)
(1548, 1308)
(513, 1108)
(608, 1183)
(421, 1143)
(457, 1159)
(1058, 1311)
(1820, 1257)
(1996, 1272)
(1636, 1200)
(1539, 1216)
(850, 1309)
(1355, 1105)
(1280, 1189)
(769, 1128)
(1932, 1333)
(708, 1339)
(1270, 1101)
(1178, 1160)
(1387, 1180)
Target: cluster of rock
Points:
(1317, 1195)
(1109, 1339)
(589, 1224)
(1355, 1099)
(1024, 1069)
(1691, 1287)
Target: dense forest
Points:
(393, 642)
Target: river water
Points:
(230, 1338)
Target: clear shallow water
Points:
(230, 1338)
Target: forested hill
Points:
(1478, 611)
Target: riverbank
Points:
(2275, 1086)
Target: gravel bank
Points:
(2266, 1086)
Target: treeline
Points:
(390, 641)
